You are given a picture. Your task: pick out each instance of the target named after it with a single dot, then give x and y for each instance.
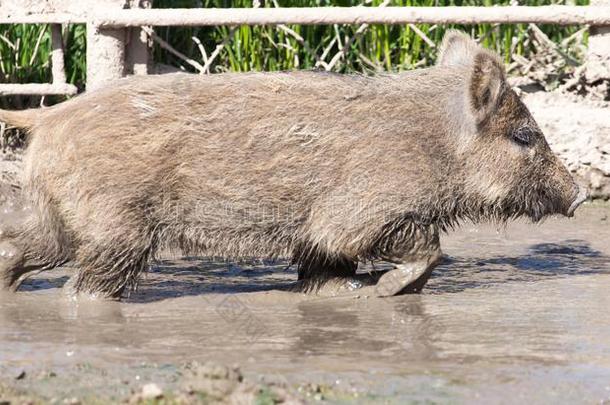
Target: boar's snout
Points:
(581, 194)
(571, 194)
(559, 194)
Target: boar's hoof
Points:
(11, 266)
(404, 279)
(69, 288)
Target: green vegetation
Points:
(24, 50)
(380, 47)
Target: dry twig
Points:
(541, 36)
(423, 36)
(37, 45)
(219, 47)
(149, 31)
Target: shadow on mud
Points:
(197, 276)
(543, 260)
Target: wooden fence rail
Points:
(562, 15)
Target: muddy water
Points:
(513, 315)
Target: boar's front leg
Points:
(315, 270)
(414, 261)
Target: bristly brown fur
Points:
(322, 168)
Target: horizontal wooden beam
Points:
(42, 18)
(562, 15)
(42, 89)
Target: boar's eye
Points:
(523, 136)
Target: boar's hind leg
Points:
(414, 264)
(28, 250)
(107, 268)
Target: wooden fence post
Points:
(138, 50)
(105, 55)
(57, 54)
(114, 52)
(105, 46)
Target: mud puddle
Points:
(514, 315)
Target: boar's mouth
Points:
(553, 205)
(536, 204)
(582, 195)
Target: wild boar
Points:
(326, 169)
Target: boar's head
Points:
(508, 167)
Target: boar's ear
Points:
(486, 70)
(457, 49)
(486, 83)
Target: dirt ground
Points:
(519, 310)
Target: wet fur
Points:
(325, 169)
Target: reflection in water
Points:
(415, 330)
(323, 328)
(522, 310)
(334, 326)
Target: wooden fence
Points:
(117, 38)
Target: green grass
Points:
(25, 54)
(380, 47)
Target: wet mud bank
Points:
(521, 310)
